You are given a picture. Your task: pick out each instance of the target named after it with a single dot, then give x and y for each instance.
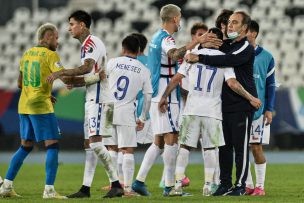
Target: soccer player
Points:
(237, 112)
(264, 75)
(162, 57)
(205, 89)
(98, 108)
(36, 112)
(197, 30)
(221, 21)
(145, 135)
(127, 76)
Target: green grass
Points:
(284, 183)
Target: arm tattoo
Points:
(85, 68)
(239, 89)
(176, 54)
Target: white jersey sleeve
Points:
(229, 73)
(168, 43)
(93, 49)
(147, 84)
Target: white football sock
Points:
(260, 172)
(113, 155)
(128, 166)
(104, 155)
(209, 164)
(170, 153)
(181, 163)
(151, 154)
(249, 181)
(89, 167)
(49, 187)
(216, 176)
(119, 167)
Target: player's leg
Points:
(169, 156)
(226, 157)
(170, 130)
(90, 161)
(113, 151)
(260, 134)
(27, 140)
(119, 167)
(260, 169)
(240, 139)
(212, 136)
(127, 143)
(151, 155)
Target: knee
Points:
(27, 148)
(256, 149)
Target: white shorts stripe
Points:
(244, 154)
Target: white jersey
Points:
(167, 44)
(127, 76)
(205, 86)
(93, 48)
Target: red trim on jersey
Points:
(169, 63)
(96, 68)
(88, 43)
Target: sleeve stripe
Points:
(242, 48)
(270, 72)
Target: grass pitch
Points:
(284, 183)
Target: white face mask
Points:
(233, 35)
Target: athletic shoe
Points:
(249, 191)
(221, 190)
(52, 194)
(214, 187)
(236, 191)
(108, 187)
(114, 192)
(140, 188)
(161, 184)
(7, 190)
(258, 191)
(167, 191)
(207, 190)
(185, 182)
(79, 194)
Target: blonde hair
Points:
(169, 11)
(44, 28)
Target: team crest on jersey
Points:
(58, 64)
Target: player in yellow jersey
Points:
(36, 112)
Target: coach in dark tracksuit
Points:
(237, 111)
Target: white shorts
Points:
(164, 122)
(145, 135)
(98, 119)
(260, 132)
(123, 136)
(195, 127)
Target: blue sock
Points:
(17, 162)
(51, 163)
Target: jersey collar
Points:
(258, 50)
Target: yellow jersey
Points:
(35, 65)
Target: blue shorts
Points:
(39, 127)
